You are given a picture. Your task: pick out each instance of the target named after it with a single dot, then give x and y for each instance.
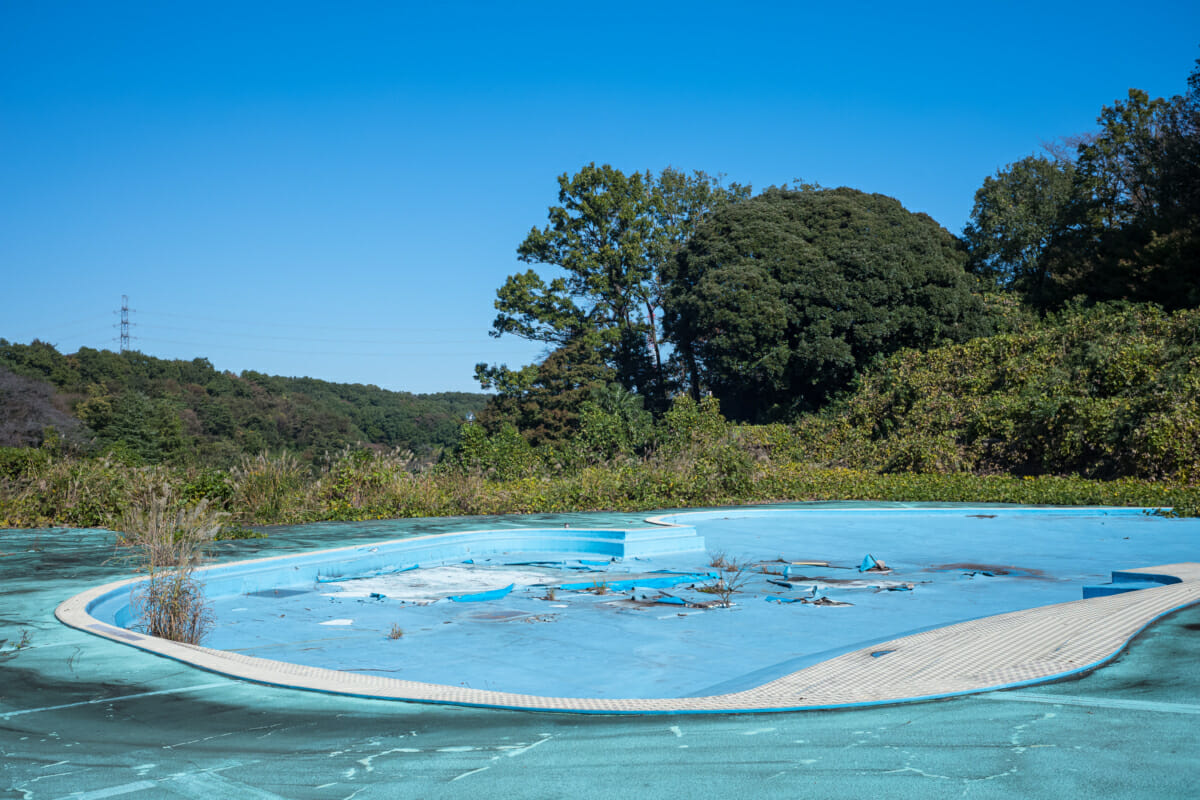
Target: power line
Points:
(290, 338)
(351, 353)
(304, 325)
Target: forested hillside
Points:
(150, 410)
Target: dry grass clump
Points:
(269, 488)
(171, 541)
(171, 605)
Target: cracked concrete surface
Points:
(107, 721)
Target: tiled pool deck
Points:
(994, 652)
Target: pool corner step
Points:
(1131, 580)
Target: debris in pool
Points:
(376, 574)
(499, 616)
(337, 622)
(278, 593)
(982, 516)
(825, 601)
(969, 569)
(872, 564)
(378, 596)
(784, 584)
(481, 597)
(879, 653)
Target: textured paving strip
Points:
(1007, 650)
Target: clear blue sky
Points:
(337, 189)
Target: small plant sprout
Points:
(599, 587)
(731, 582)
(551, 593)
(16, 647)
(396, 632)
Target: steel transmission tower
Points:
(124, 322)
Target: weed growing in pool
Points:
(718, 560)
(599, 587)
(730, 583)
(171, 539)
(167, 533)
(171, 605)
(551, 593)
(396, 632)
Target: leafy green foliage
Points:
(504, 455)
(610, 237)
(1016, 214)
(1104, 392)
(1119, 219)
(543, 400)
(780, 300)
(613, 425)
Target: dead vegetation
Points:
(170, 539)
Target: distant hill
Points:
(152, 410)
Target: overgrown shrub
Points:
(171, 605)
(1103, 392)
(266, 488)
(170, 540)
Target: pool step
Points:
(1129, 581)
(331, 566)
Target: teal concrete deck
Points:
(82, 716)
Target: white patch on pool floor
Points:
(435, 583)
(337, 622)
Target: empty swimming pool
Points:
(865, 605)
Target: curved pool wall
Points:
(105, 610)
(113, 606)
(667, 534)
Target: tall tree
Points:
(1015, 216)
(778, 301)
(1119, 219)
(543, 400)
(608, 238)
(1129, 233)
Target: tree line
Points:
(146, 410)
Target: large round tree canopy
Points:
(778, 301)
